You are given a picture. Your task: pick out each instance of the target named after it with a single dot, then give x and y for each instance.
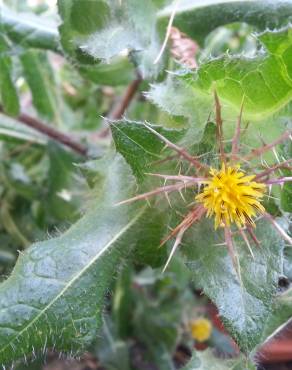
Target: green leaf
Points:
(206, 360)
(281, 312)
(87, 16)
(10, 226)
(119, 72)
(80, 19)
(102, 29)
(55, 294)
(29, 30)
(235, 38)
(39, 76)
(122, 303)
(264, 82)
(138, 145)
(9, 96)
(206, 145)
(199, 18)
(179, 99)
(243, 303)
(190, 95)
(286, 197)
(280, 316)
(61, 201)
(156, 320)
(112, 352)
(288, 263)
(147, 251)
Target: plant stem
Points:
(51, 132)
(119, 110)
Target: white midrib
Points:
(186, 5)
(76, 277)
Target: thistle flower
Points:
(229, 194)
(232, 196)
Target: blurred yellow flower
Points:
(201, 329)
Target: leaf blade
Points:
(58, 286)
(9, 94)
(243, 302)
(138, 145)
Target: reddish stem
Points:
(51, 132)
(119, 110)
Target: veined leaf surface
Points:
(55, 294)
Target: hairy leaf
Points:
(55, 294)
(138, 145)
(179, 99)
(262, 83)
(198, 18)
(101, 29)
(80, 18)
(206, 360)
(243, 302)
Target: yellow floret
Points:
(201, 329)
(232, 196)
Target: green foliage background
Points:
(65, 244)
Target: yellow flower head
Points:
(201, 329)
(229, 195)
(232, 196)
